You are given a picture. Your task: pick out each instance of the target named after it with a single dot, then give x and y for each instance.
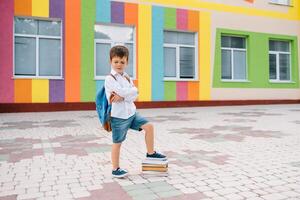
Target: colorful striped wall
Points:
(150, 18)
(78, 18)
(292, 12)
(174, 19)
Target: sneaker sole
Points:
(160, 159)
(119, 176)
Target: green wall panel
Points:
(87, 83)
(170, 91)
(257, 61)
(170, 18)
(170, 23)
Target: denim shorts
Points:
(120, 126)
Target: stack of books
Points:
(155, 165)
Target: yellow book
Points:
(159, 166)
(158, 169)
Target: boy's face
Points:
(119, 64)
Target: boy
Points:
(123, 112)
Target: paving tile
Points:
(249, 152)
(171, 193)
(274, 196)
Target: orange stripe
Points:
(193, 21)
(23, 7)
(131, 14)
(23, 91)
(22, 87)
(135, 83)
(72, 50)
(193, 25)
(131, 18)
(193, 91)
(137, 56)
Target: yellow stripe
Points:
(40, 8)
(292, 14)
(144, 52)
(295, 10)
(40, 88)
(204, 55)
(40, 91)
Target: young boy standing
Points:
(123, 112)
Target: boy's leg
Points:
(115, 155)
(149, 137)
(119, 131)
(141, 123)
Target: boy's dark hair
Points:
(119, 51)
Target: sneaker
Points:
(156, 156)
(119, 173)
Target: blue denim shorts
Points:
(120, 126)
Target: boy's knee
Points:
(148, 127)
(117, 145)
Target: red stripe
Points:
(6, 51)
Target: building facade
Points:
(198, 50)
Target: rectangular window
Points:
(37, 48)
(281, 2)
(279, 60)
(234, 58)
(180, 60)
(107, 36)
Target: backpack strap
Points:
(127, 78)
(113, 77)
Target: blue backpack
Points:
(104, 108)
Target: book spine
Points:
(154, 169)
(156, 166)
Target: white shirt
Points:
(123, 88)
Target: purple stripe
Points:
(117, 12)
(182, 17)
(6, 51)
(57, 87)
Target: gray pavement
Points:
(237, 152)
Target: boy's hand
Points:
(116, 98)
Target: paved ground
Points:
(245, 152)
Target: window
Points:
(180, 55)
(234, 59)
(279, 60)
(37, 48)
(281, 2)
(107, 36)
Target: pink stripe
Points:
(182, 19)
(6, 51)
(181, 90)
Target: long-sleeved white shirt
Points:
(123, 88)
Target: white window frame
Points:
(37, 38)
(277, 80)
(177, 46)
(289, 3)
(113, 43)
(232, 63)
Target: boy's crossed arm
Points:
(116, 98)
(119, 93)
